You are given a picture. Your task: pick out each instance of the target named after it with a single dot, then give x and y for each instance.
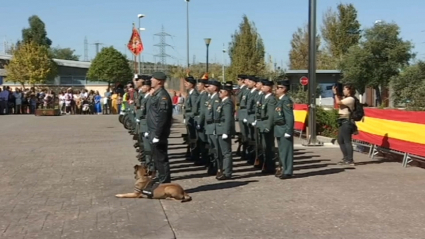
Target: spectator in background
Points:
(175, 101)
(33, 103)
(119, 102)
(180, 103)
(97, 98)
(107, 101)
(18, 101)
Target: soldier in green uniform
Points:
(266, 129)
(283, 130)
(210, 124)
(159, 121)
(242, 114)
(190, 107)
(225, 123)
(199, 113)
(250, 117)
(257, 125)
(143, 127)
(138, 83)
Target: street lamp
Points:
(187, 32)
(207, 42)
(222, 64)
(140, 16)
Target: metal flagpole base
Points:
(312, 143)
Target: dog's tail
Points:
(186, 198)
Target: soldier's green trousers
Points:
(225, 161)
(286, 154)
(147, 151)
(268, 149)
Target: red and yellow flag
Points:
(135, 44)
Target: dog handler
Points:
(159, 120)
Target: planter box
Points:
(47, 112)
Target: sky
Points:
(110, 23)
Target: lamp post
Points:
(222, 64)
(187, 32)
(312, 140)
(207, 42)
(140, 16)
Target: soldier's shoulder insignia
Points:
(216, 101)
(244, 97)
(278, 108)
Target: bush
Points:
(327, 122)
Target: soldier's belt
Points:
(143, 117)
(279, 123)
(196, 114)
(243, 107)
(264, 118)
(237, 104)
(210, 121)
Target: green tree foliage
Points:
(31, 64)
(64, 53)
(298, 55)
(111, 66)
(36, 32)
(246, 51)
(340, 31)
(409, 87)
(379, 56)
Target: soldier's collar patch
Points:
(164, 98)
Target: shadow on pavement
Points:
(219, 186)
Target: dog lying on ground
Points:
(163, 191)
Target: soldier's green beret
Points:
(159, 75)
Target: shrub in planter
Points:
(327, 122)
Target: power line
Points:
(162, 45)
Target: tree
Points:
(30, 64)
(64, 53)
(409, 86)
(111, 66)
(378, 57)
(340, 30)
(36, 33)
(298, 55)
(246, 51)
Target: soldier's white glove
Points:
(254, 123)
(198, 127)
(146, 134)
(224, 136)
(244, 120)
(155, 140)
(184, 121)
(122, 113)
(287, 135)
(137, 120)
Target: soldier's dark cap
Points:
(203, 81)
(159, 75)
(228, 85)
(147, 82)
(191, 80)
(242, 77)
(146, 77)
(214, 82)
(252, 78)
(285, 83)
(267, 82)
(138, 77)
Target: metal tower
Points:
(86, 49)
(97, 44)
(162, 49)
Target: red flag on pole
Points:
(135, 44)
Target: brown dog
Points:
(163, 191)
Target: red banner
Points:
(135, 44)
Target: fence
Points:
(395, 131)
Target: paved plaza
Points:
(59, 175)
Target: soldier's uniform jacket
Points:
(211, 114)
(137, 103)
(259, 102)
(284, 117)
(251, 104)
(201, 106)
(267, 113)
(191, 105)
(159, 114)
(137, 99)
(143, 111)
(225, 122)
(242, 102)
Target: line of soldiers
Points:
(209, 116)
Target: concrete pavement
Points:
(59, 176)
